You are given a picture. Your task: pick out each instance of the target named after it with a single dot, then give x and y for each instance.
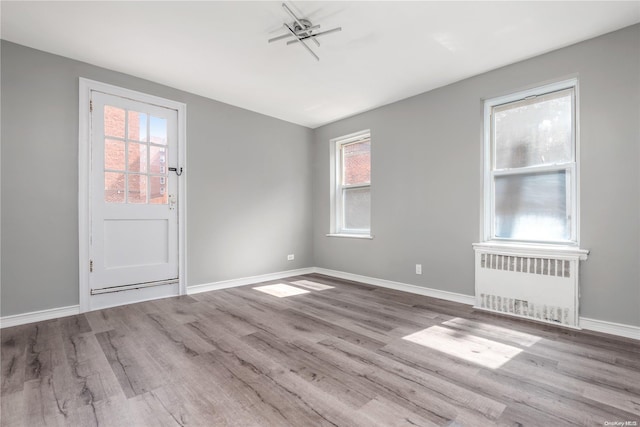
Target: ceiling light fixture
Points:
(301, 29)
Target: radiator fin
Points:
(520, 264)
(519, 307)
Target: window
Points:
(351, 185)
(530, 166)
(134, 165)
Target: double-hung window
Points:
(530, 166)
(351, 199)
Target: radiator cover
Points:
(529, 282)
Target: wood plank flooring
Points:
(342, 354)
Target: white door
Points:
(133, 201)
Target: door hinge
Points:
(91, 105)
(90, 266)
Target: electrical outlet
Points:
(291, 257)
(418, 268)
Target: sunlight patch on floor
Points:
(481, 351)
(505, 334)
(281, 290)
(315, 286)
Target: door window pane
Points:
(158, 130)
(135, 157)
(137, 189)
(113, 187)
(357, 208)
(535, 131)
(114, 155)
(356, 160)
(158, 190)
(532, 207)
(158, 159)
(137, 160)
(137, 126)
(114, 121)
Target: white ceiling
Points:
(385, 52)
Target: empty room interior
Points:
(320, 213)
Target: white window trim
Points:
(335, 174)
(350, 236)
(487, 222)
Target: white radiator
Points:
(529, 283)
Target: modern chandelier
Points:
(302, 30)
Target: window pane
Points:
(137, 157)
(113, 187)
(356, 160)
(137, 192)
(158, 130)
(113, 155)
(158, 159)
(357, 208)
(113, 121)
(532, 207)
(534, 132)
(158, 190)
(137, 126)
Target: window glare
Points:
(531, 172)
(532, 207)
(357, 208)
(532, 134)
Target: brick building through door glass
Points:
(135, 157)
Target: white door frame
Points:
(84, 174)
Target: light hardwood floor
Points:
(349, 355)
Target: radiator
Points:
(529, 283)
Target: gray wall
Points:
(259, 187)
(426, 177)
(249, 182)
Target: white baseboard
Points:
(612, 328)
(430, 292)
(38, 316)
(54, 313)
(619, 329)
(224, 284)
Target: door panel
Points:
(134, 222)
(148, 249)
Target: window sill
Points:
(351, 236)
(532, 249)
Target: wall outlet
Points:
(291, 257)
(418, 268)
